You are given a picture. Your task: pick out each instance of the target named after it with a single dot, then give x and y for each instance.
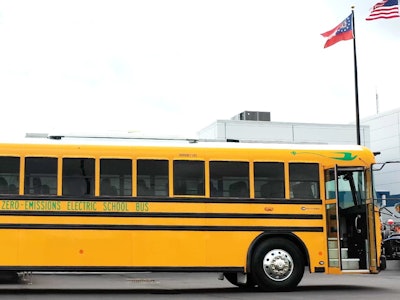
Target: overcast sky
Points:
(176, 66)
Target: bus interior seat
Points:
(213, 190)
(45, 189)
(12, 189)
(180, 188)
(142, 189)
(74, 186)
(3, 186)
(106, 189)
(201, 189)
(238, 189)
(303, 190)
(272, 189)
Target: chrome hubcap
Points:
(278, 264)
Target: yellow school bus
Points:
(257, 214)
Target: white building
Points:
(256, 126)
(380, 133)
(385, 138)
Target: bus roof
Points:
(140, 140)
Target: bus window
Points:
(189, 177)
(78, 176)
(152, 177)
(352, 188)
(9, 175)
(230, 178)
(115, 177)
(269, 180)
(304, 180)
(40, 175)
(330, 188)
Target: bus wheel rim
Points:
(278, 265)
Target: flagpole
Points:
(356, 80)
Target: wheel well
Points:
(265, 236)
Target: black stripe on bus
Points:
(159, 215)
(222, 200)
(118, 269)
(160, 227)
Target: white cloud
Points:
(176, 66)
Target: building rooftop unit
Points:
(257, 126)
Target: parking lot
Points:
(197, 285)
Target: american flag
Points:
(385, 9)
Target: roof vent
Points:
(253, 116)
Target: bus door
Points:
(349, 216)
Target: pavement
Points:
(165, 281)
(116, 281)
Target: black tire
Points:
(232, 278)
(277, 265)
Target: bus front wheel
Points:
(277, 265)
